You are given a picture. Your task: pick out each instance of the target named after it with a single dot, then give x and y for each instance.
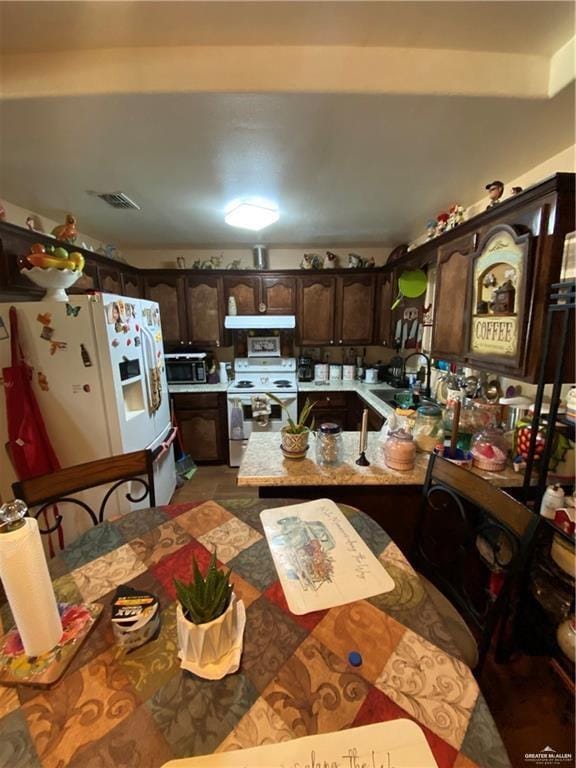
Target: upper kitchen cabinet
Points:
(132, 284)
(355, 309)
(385, 288)
(270, 294)
(167, 289)
(110, 278)
(335, 309)
(316, 310)
(204, 309)
(451, 297)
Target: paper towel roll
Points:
(28, 587)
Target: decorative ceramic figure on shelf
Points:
(358, 262)
(516, 191)
(495, 191)
(236, 264)
(330, 260)
(441, 222)
(2, 213)
(431, 229)
(311, 261)
(455, 216)
(67, 231)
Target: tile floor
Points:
(530, 708)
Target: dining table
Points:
(137, 708)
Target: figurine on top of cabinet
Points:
(495, 191)
(355, 261)
(311, 261)
(214, 262)
(330, 260)
(431, 229)
(67, 231)
(2, 213)
(441, 222)
(455, 216)
(516, 191)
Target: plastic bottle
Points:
(552, 500)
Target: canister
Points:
(371, 376)
(321, 372)
(335, 373)
(348, 372)
(400, 451)
(329, 445)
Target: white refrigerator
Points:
(99, 379)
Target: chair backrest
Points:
(471, 541)
(58, 487)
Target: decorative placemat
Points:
(320, 558)
(16, 668)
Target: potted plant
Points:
(296, 433)
(210, 622)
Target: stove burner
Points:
(244, 385)
(282, 384)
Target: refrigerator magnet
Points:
(43, 382)
(125, 328)
(115, 343)
(136, 341)
(56, 345)
(72, 311)
(3, 330)
(47, 333)
(85, 356)
(44, 319)
(118, 326)
(128, 342)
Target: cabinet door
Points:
(355, 309)
(451, 297)
(167, 290)
(201, 434)
(278, 294)
(316, 303)
(109, 279)
(205, 310)
(384, 334)
(246, 291)
(131, 285)
(88, 281)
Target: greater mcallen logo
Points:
(548, 756)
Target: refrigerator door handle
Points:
(163, 447)
(153, 378)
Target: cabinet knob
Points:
(340, 342)
(218, 342)
(384, 343)
(182, 342)
(331, 341)
(262, 307)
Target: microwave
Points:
(186, 368)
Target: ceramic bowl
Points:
(55, 281)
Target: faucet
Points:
(427, 390)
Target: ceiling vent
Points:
(118, 200)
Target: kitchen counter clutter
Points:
(264, 465)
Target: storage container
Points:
(329, 445)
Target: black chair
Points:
(57, 488)
(470, 545)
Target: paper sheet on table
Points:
(395, 744)
(321, 560)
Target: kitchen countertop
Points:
(366, 392)
(197, 389)
(263, 464)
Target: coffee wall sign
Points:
(499, 279)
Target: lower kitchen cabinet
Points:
(330, 407)
(202, 422)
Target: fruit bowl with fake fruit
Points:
(53, 269)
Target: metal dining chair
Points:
(56, 490)
(471, 543)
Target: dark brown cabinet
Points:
(109, 279)
(168, 291)
(204, 310)
(203, 427)
(328, 407)
(451, 297)
(316, 310)
(355, 309)
(131, 284)
(384, 329)
(272, 294)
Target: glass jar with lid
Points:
(400, 451)
(428, 429)
(329, 445)
(489, 449)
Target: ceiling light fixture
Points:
(252, 216)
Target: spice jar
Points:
(329, 445)
(400, 451)
(428, 429)
(489, 450)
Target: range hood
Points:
(259, 321)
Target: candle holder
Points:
(362, 461)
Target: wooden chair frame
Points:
(46, 490)
(497, 531)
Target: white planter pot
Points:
(212, 650)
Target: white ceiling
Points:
(344, 169)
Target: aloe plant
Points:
(296, 427)
(204, 598)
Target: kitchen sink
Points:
(388, 396)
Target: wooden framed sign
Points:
(499, 279)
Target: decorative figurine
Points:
(495, 191)
(441, 222)
(311, 261)
(2, 213)
(66, 232)
(455, 216)
(236, 264)
(431, 229)
(516, 191)
(355, 261)
(330, 260)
